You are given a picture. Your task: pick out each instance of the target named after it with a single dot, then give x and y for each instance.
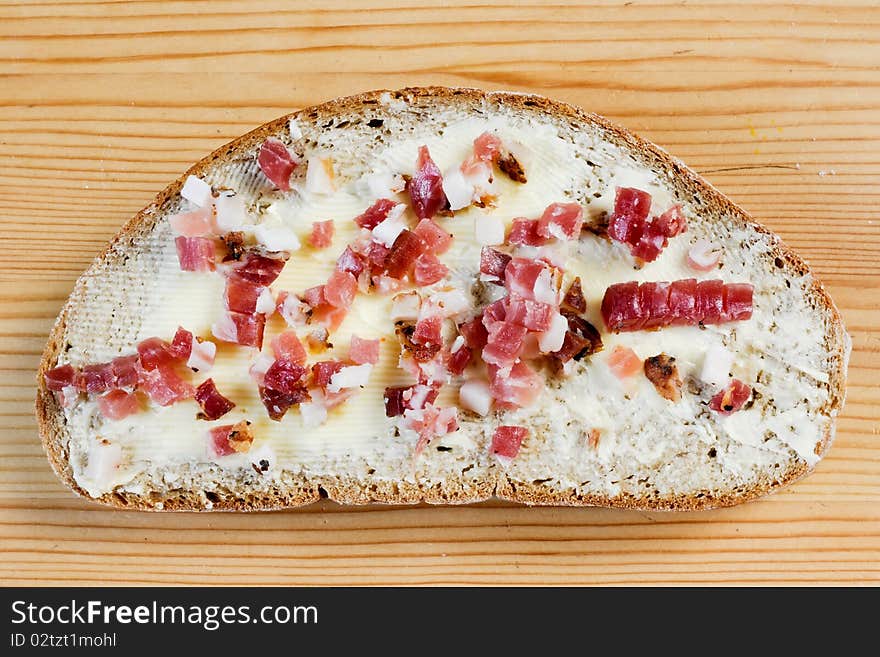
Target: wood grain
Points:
(101, 103)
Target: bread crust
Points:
(50, 416)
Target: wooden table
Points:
(102, 103)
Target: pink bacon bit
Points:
(241, 295)
(375, 214)
(507, 440)
(474, 333)
(629, 224)
(276, 163)
(562, 221)
(351, 262)
(426, 187)
(96, 378)
(125, 372)
(118, 404)
(181, 345)
(517, 388)
(278, 403)
(324, 370)
(340, 289)
(322, 234)
(164, 385)
(457, 361)
(399, 399)
(259, 269)
(533, 315)
(287, 345)
(630, 306)
(213, 404)
(195, 253)
(60, 377)
(524, 232)
(434, 238)
(429, 270)
(199, 223)
(493, 263)
(731, 399)
(155, 352)
(284, 375)
(401, 259)
(362, 351)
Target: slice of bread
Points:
(652, 454)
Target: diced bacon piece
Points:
(581, 339)
(682, 303)
(487, 147)
(458, 360)
(704, 255)
(710, 301)
(426, 187)
(523, 277)
(507, 440)
(328, 316)
(278, 403)
(504, 344)
(284, 375)
(259, 269)
(125, 374)
(198, 223)
(428, 331)
(60, 377)
(239, 328)
(195, 253)
(258, 368)
(405, 306)
(324, 370)
(534, 315)
(650, 244)
(230, 438)
(353, 263)
(377, 255)
(493, 263)
(434, 238)
(361, 351)
(631, 210)
(350, 376)
(474, 333)
(525, 232)
(519, 387)
(287, 345)
(737, 302)
(314, 296)
(218, 441)
(96, 378)
(457, 188)
(201, 358)
(494, 312)
(320, 178)
(574, 300)
(429, 270)
(562, 221)
(276, 163)
(553, 338)
(164, 386)
(118, 404)
(181, 345)
(334, 399)
(731, 399)
(322, 234)
(395, 404)
(197, 191)
(430, 423)
(403, 254)
(375, 214)
(155, 352)
(387, 230)
(672, 222)
(475, 396)
(340, 289)
(241, 295)
(214, 405)
(624, 362)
